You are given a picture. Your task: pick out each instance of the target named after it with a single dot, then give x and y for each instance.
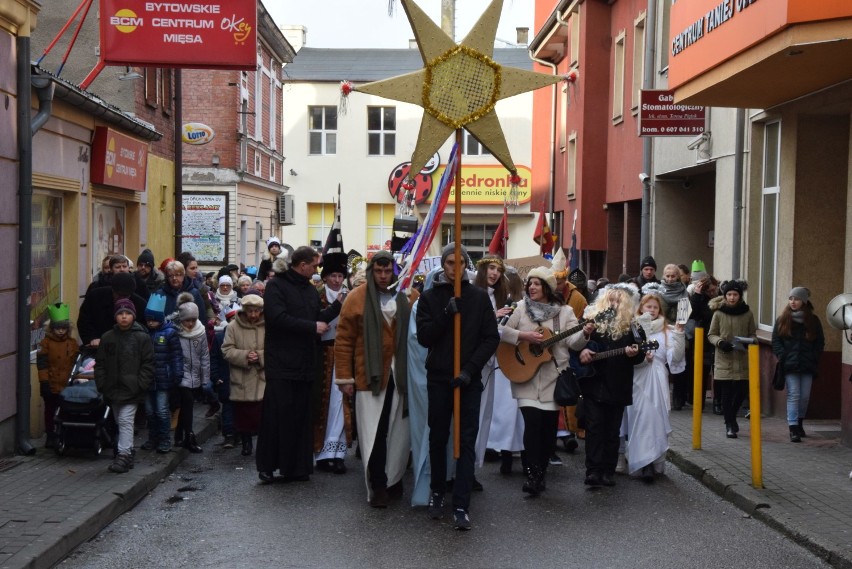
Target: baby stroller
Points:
(83, 416)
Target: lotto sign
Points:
(182, 33)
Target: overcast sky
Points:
(366, 23)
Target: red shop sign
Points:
(118, 160)
(180, 33)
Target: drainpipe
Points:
(739, 157)
(25, 230)
(647, 141)
(178, 125)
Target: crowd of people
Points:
(307, 355)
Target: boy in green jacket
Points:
(124, 368)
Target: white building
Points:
(361, 149)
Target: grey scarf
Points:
(539, 311)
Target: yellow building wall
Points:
(161, 208)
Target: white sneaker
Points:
(621, 465)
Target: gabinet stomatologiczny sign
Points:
(181, 33)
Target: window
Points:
(618, 80)
(769, 223)
(46, 261)
(665, 17)
(475, 237)
(472, 147)
(379, 227)
(322, 130)
(565, 98)
(575, 37)
(257, 166)
(320, 219)
(272, 169)
(572, 166)
(381, 131)
(166, 92)
(274, 85)
(152, 87)
(638, 61)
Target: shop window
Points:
(472, 147)
(320, 219)
(769, 224)
(476, 237)
(638, 61)
(381, 131)
(379, 227)
(322, 130)
(618, 80)
(46, 272)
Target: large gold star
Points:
(459, 85)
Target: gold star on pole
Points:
(459, 85)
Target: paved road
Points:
(212, 513)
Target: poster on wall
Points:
(46, 272)
(205, 226)
(108, 233)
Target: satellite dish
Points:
(839, 311)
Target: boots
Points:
(802, 430)
(794, 434)
(531, 485)
(121, 464)
(247, 446)
(505, 462)
(191, 444)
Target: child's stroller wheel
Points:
(99, 447)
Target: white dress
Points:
(335, 445)
(505, 430)
(647, 420)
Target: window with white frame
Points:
(638, 61)
(572, 166)
(618, 79)
(381, 131)
(258, 99)
(379, 227)
(575, 36)
(769, 223)
(564, 99)
(665, 11)
(322, 130)
(272, 168)
(320, 219)
(257, 164)
(274, 85)
(472, 147)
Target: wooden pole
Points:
(460, 266)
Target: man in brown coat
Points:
(370, 357)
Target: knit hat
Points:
(545, 275)
(123, 284)
(738, 286)
(272, 241)
(251, 271)
(801, 293)
(187, 311)
(648, 262)
(156, 308)
(124, 305)
(225, 279)
(59, 314)
(449, 249)
(252, 300)
(146, 256)
(699, 271)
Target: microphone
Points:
(505, 318)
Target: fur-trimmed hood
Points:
(280, 265)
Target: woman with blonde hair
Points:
(607, 381)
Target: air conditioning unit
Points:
(285, 210)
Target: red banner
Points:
(118, 160)
(180, 33)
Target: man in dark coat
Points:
(294, 322)
(96, 312)
(479, 339)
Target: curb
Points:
(750, 501)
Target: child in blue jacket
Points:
(168, 371)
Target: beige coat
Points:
(248, 382)
(542, 384)
(730, 365)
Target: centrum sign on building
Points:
(660, 116)
(189, 33)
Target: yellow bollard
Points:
(754, 415)
(697, 388)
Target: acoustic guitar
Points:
(520, 363)
(647, 346)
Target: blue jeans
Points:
(798, 395)
(224, 393)
(159, 417)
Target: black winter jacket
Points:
(168, 357)
(124, 364)
(479, 337)
(611, 379)
(171, 297)
(97, 313)
(291, 309)
(797, 353)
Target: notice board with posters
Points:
(205, 226)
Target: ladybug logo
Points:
(419, 185)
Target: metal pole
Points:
(739, 157)
(697, 388)
(457, 293)
(754, 415)
(648, 142)
(178, 162)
